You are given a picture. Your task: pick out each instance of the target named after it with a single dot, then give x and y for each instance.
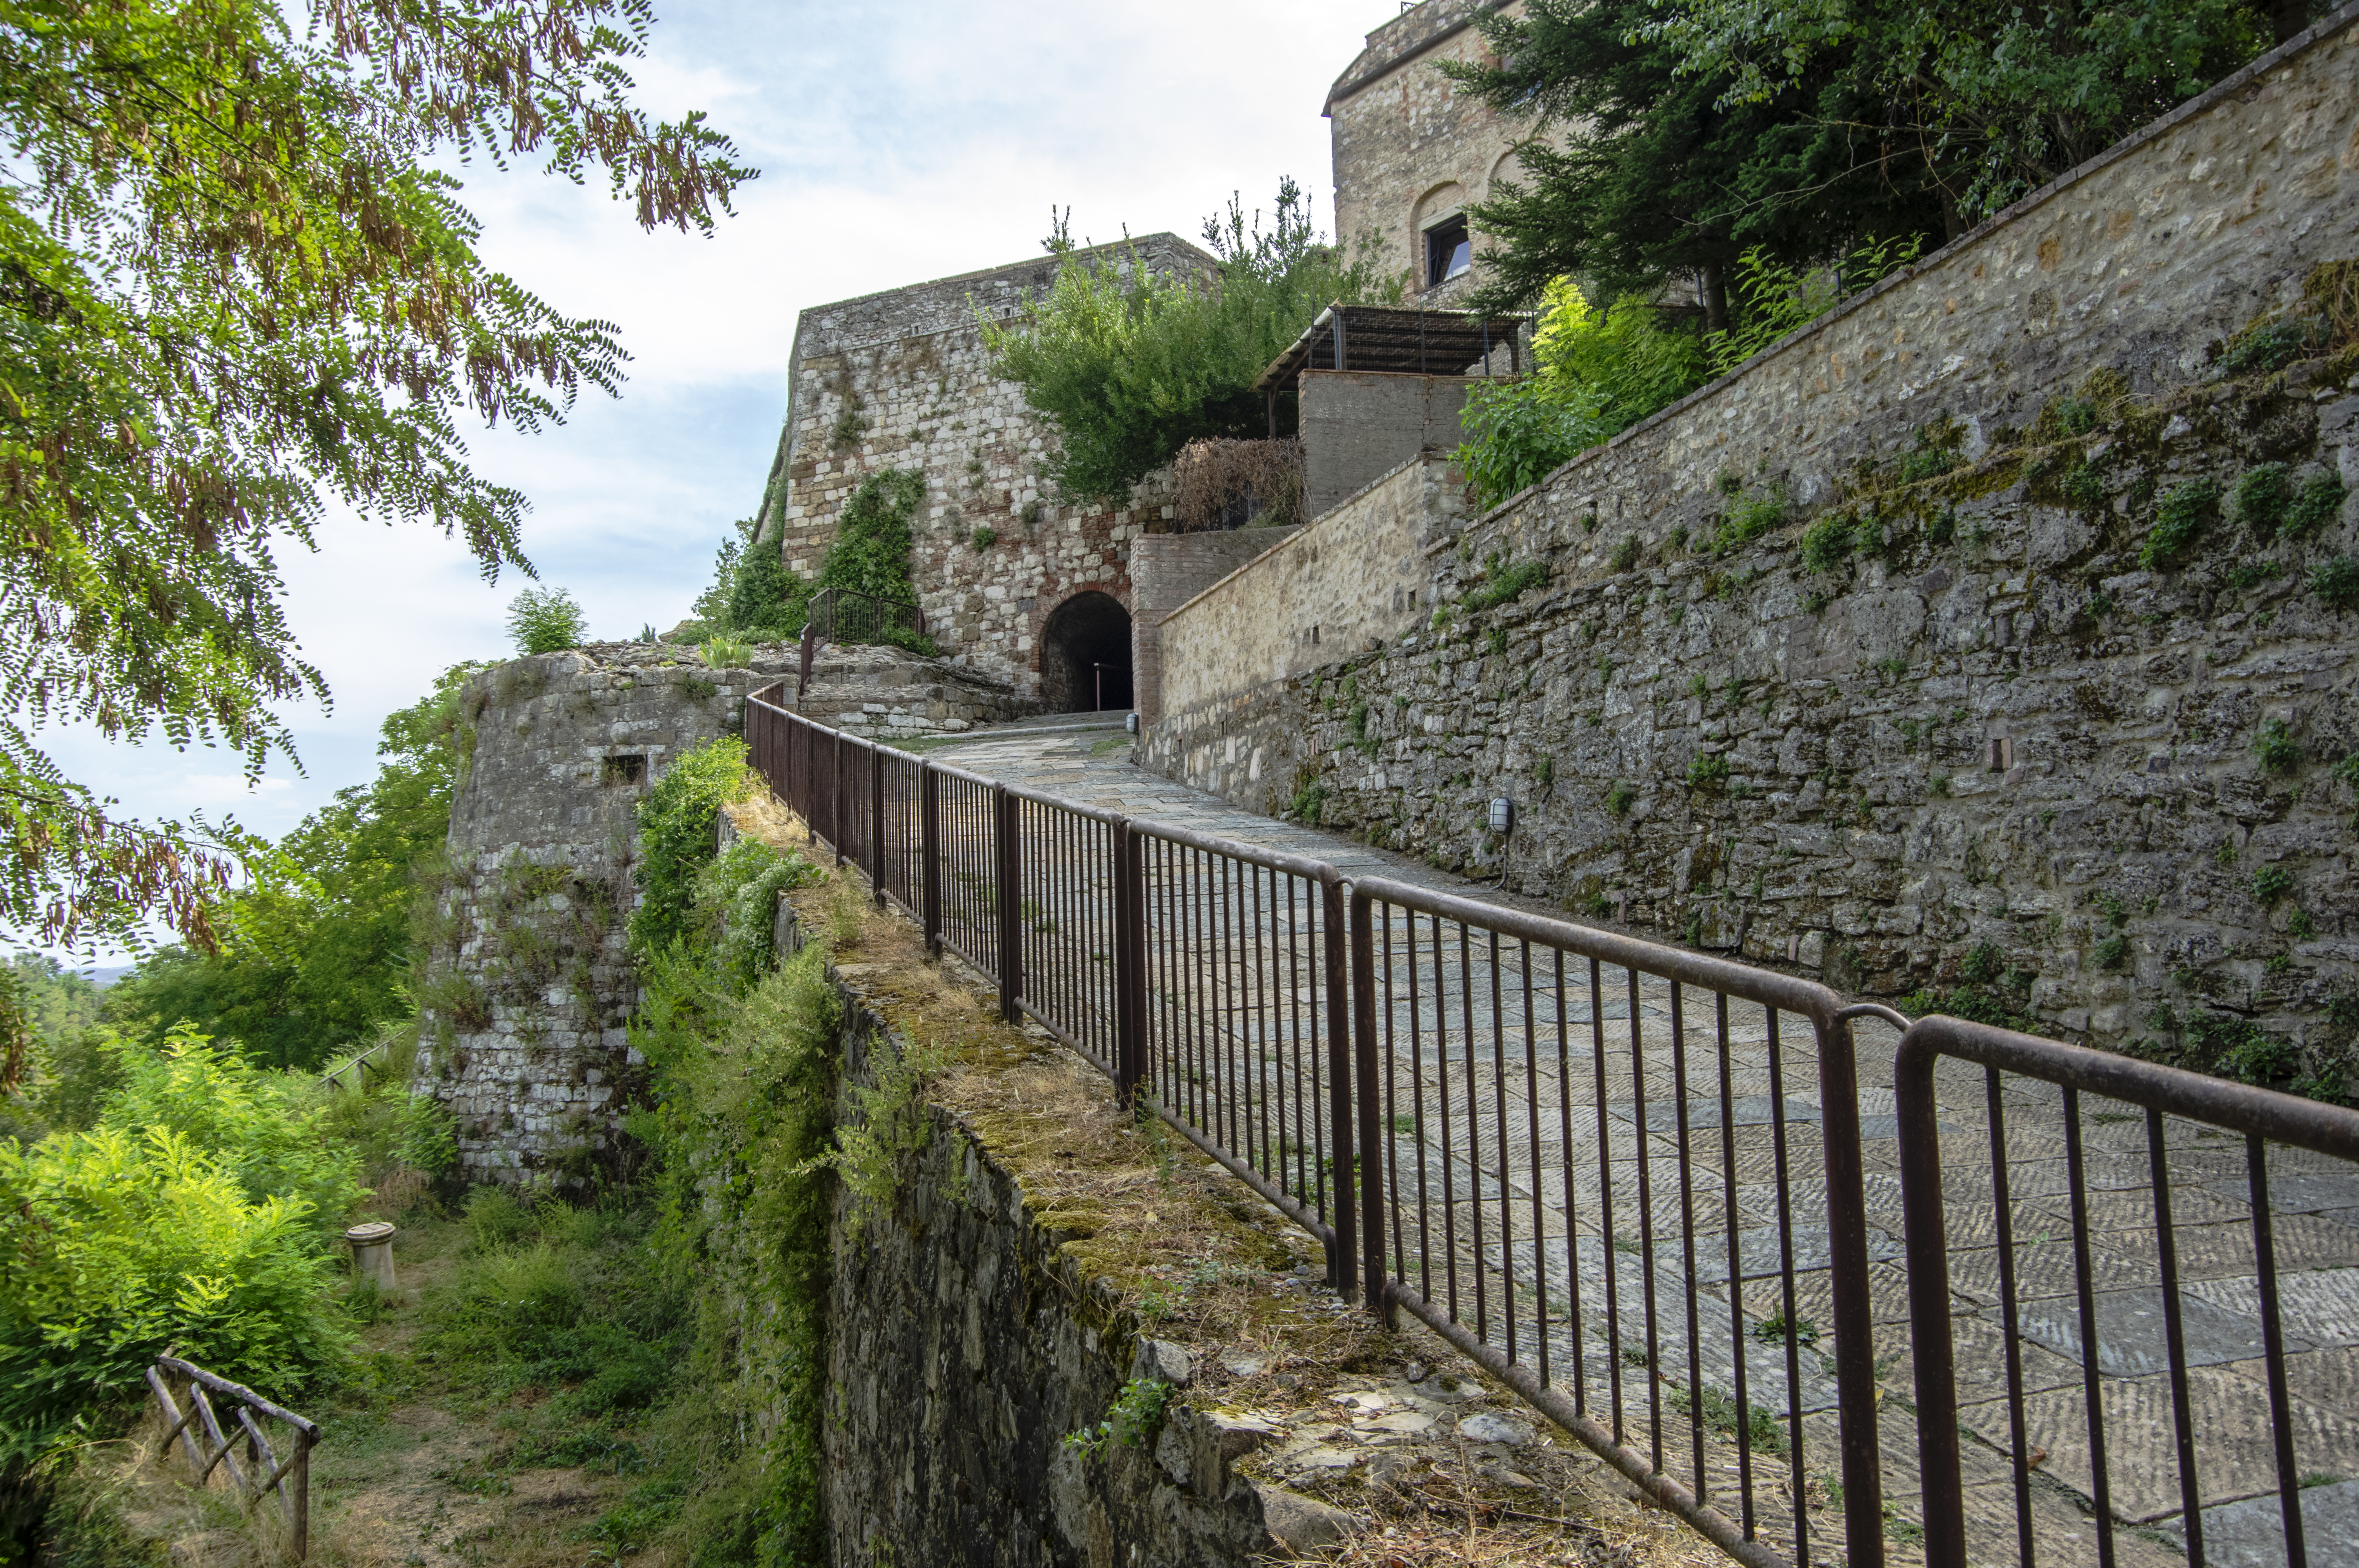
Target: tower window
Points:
(1449, 251)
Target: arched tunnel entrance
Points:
(1085, 655)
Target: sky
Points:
(896, 143)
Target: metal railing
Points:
(2168, 1296)
(1589, 1153)
(1632, 1181)
(1202, 974)
(263, 1471)
(846, 615)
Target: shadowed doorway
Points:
(1085, 655)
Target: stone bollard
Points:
(373, 1254)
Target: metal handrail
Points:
(1170, 958)
(2263, 1116)
(848, 615)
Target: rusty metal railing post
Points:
(1925, 1228)
(1129, 964)
(836, 800)
(1373, 1275)
(1003, 811)
(1343, 1264)
(877, 821)
(1854, 1322)
(930, 853)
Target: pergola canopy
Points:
(1400, 342)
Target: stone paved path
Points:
(1585, 1131)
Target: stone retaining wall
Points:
(1360, 573)
(1851, 660)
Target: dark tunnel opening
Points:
(1085, 655)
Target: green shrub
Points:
(983, 538)
(1774, 297)
(546, 620)
(1509, 585)
(1974, 1003)
(2186, 511)
(2318, 504)
(2276, 747)
(679, 822)
(2262, 496)
(190, 1217)
(2336, 581)
(1708, 773)
(2084, 487)
(1749, 519)
(870, 554)
(727, 653)
(1618, 799)
(1829, 542)
(740, 889)
(1519, 432)
(2271, 884)
(2266, 346)
(1625, 554)
(742, 1124)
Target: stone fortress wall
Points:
(527, 986)
(902, 379)
(1937, 721)
(1408, 150)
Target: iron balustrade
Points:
(847, 615)
(1205, 976)
(1570, 1131)
(2195, 1239)
(1629, 1179)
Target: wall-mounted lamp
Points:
(1130, 724)
(1503, 816)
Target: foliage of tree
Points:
(1671, 138)
(1131, 364)
(190, 1217)
(547, 621)
(314, 955)
(233, 288)
(768, 602)
(1595, 373)
(1635, 174)
(1997, 100)
(1777, 298)
(58, 1000)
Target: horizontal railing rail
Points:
(2192, 1249)
(1565, 1132)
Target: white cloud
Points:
(898, 142)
